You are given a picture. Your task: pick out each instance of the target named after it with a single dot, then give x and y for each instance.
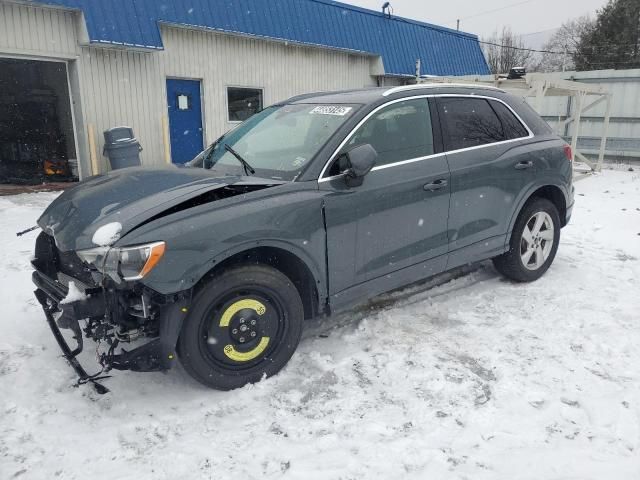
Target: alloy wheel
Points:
(537, 241)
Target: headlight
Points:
(129, 263)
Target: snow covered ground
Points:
(478, 378)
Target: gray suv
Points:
(309, 207)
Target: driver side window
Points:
(401, 131)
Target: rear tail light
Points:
(568, 151)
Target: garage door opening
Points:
(37, 143)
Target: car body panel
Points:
(363, 292)
(287, 216)
(388, 223)
(130, 197)
(551, 169)
(485, 189)
(355, 240)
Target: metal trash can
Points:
(122, 148)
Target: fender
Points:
(524, 198)
(173, 316)
(290, 247)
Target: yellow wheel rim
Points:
(255, 305)
(237, 356)
(229, 350)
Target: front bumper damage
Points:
(93, 318)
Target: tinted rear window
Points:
(469, 122)
(513, 128)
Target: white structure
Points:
(623, 143)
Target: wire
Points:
(551, 52)
(521, 48)
(536, 33)
(568, 52)
(467, 36)
(491, 11)
(533, 50)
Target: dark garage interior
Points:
(37, 142)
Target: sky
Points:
(525, 17)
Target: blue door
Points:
(185, 119)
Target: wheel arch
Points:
(304, 278)
(553, 193)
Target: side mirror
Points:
(360, 161)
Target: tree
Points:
(614, 40)
(503, 52)
(566, 39)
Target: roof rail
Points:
(419, 86)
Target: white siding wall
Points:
(124, 87)
(282, 71)
(121, 87)
(28, 30)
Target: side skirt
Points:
(469, 255)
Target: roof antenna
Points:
(387, 9)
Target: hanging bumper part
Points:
(89, 318)
(50, 308)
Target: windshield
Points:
(277, 142)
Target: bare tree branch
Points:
(566, 39)
(505, 54)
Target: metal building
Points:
(183, 72)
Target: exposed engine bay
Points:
(122, 319)
(91, 289)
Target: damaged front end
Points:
(96, 295)
(94, 285)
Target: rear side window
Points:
(469, 122)
(513, 128)
(401, 131)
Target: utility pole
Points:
(418, 70)
(564, 59)
(458, 27)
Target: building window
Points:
(243, 103)
(184, 102)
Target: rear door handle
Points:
(524, 165)
(437, 185)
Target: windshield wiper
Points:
(211, 149)
(247, 167)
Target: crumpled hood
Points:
(127, 197)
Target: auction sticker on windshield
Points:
(331, 110)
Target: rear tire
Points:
(243, 325)
(534, 242)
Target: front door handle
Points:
(437, 185)
(524, 165)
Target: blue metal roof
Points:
(399, 41)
